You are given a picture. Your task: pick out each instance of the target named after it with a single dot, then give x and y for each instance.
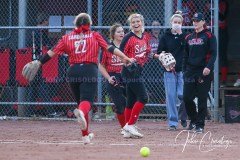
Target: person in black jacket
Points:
(198, 64)
(173, 42)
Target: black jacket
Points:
(173, 44)
(200, 51)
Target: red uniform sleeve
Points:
(104, 58)
(148, 45)
(59, 48)
(101, 41)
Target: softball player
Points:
(136, 45)
(198, 63)
(82, 47)
(110, 67)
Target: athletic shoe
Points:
(132, 130)
(122, 131)
(184, 123)
(199, 130)
(129, 135)
(87, 139)
(80, 118)
(237, 83)
(126, 134)
(191, 126)
(172, 128)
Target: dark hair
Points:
(113, 29)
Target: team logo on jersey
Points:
(116, 61)
(81, 36)
(140, 51)
(196, 41)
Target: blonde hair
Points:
(136, 15)
(81, 19)
(177, 14)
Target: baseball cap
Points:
(198, 16)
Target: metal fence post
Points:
(99, 96)
(216, 66)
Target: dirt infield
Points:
(58, 140)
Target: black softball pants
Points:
(117, 93)
(135, 87)
(82, 79)
(196, 87)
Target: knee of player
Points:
(144, 99)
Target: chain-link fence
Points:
(30, 27)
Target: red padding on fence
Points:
(50, 69)
(23, 56)
(4, 66)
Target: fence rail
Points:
(21, 21)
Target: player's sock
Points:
(137, 108)
(127, 114)
(224, 71)
(85, 132)
(85, 107)
(121, 119)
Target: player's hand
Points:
(112, 80)
(128, 61)
(206, 71)
(30, 69)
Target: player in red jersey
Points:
(110, 67)
(82, 47)
(136, 45)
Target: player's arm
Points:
(103, 71)
(30, 69)
(213, 51)
(186, 54)
(112, 49)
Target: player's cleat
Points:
(80, 118)
(184, 123)
(126, 134)
(122, 131)
(191, 126)
(129, 135)
(87, 139)
(172, 128)
(132, 130)
(199, 130)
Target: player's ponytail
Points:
(177, 14)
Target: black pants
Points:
(83, 81)
(117, 93)
(135, 87)
(196, 87)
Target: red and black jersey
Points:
(81, 47)
(135, 47)
(201, 51)
(112, 62)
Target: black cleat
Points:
(199, 130)
(172, 128)
(184, 123)
(191, 126)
